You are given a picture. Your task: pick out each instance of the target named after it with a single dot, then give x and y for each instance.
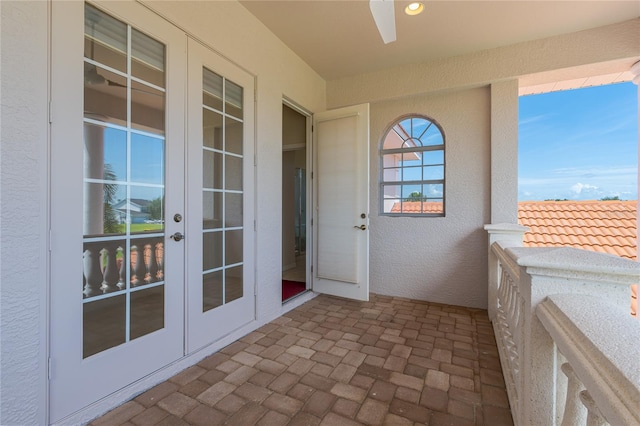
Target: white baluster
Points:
(122, 273)
(594, 418)
(151, 263)
(574, 410)
(138, 267)
(92, 273)
(160, 260)
(110, 275)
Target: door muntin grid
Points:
(124, 183)
(222, 191)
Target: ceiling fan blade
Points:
(113, 83)
(385, 18)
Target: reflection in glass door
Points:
(124, 157)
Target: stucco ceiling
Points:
(338, 38)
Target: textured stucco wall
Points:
(23, 212)
(440, 259)
(504, 152)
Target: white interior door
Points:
(117, 172)
(220, 234)
(341, 202)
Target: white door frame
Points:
(309, 187)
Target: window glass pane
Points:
(392, 191)
(211, 170)
(233, 209)
(392, 205)
(147, 58)
(212, 129)
(411, 143)
(211, 89)
(412, 206)
(103, 270)
(146, 209)
(147, 261)
(211, 290)
(147, 108)
(432, 136)
(105, 39)
(233, 98)
(393, 139)
(433, 157)
(412, 192)
(435, 206)
(105, 153)
(233, 136)
(104, 208)
(403, 129)
(147, 159)
(147, 311)
(419, 126)
(411, 174)
(434, 173)
(211, 250)
(411, 159)
(211, 210)
(434, 190)
(392, 174)
(105, 95)
(103, 325)
(233, 284)
(233, 173)
(233, 247)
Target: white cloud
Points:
(579, 187)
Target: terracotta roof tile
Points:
(603, 226)
(417, 207)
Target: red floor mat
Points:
(291, 288)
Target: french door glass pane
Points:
(124, 164)
(222, 190)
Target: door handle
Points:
(362, 227)
(177, 236)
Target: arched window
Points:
(412, 168)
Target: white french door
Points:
(150, 254)
(341, 202)
(220, 267)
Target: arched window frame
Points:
(424, 173)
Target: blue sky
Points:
(579, 144)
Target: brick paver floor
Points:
(333, 361)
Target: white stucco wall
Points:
(24, 181)
(23, 212)
(440, 259)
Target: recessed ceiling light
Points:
(414, 8)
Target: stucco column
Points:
(635, 71)
(504, 152)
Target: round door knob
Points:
(177, 236)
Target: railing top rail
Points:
(601, 342)
(576, 263)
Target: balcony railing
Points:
(569, 347)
